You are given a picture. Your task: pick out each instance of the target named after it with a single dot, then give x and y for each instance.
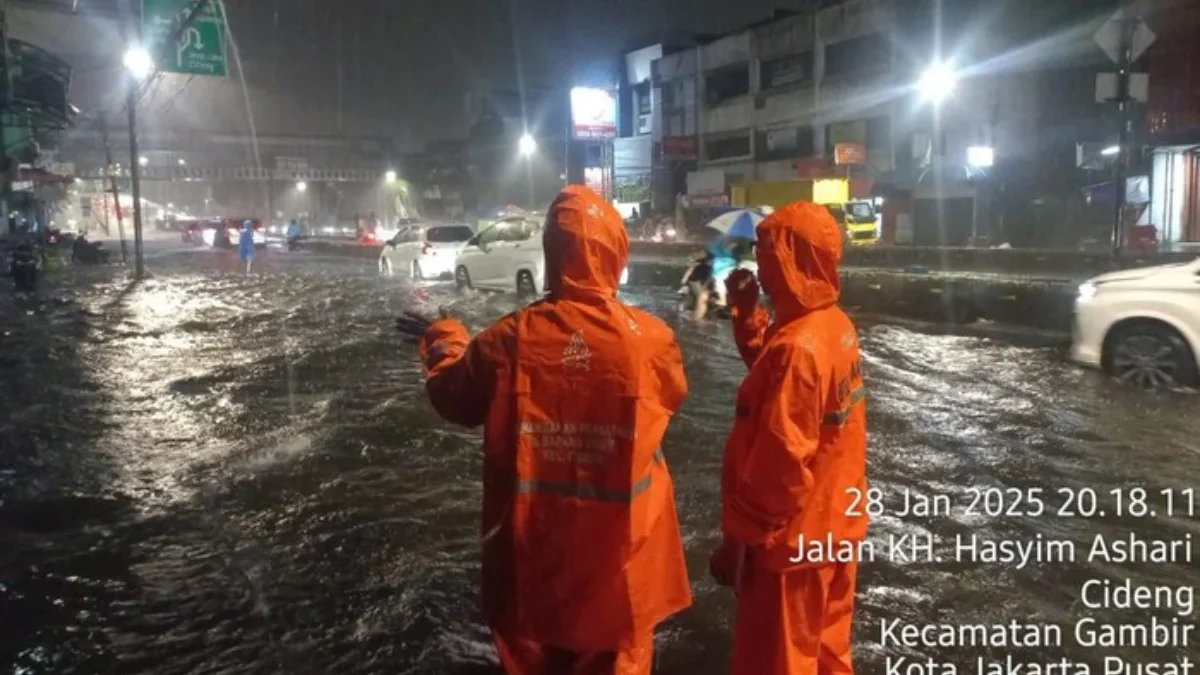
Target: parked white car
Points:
(424, 251)
(506, 255)
(1141, 325)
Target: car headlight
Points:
(1087, 291)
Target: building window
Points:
(792, 69)
(641, 96)
(726, 84)
(672, 94)
(858, 56)
(727, 147)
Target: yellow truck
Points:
(857, 217)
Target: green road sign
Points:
(200, 49)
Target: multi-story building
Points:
(633, 149)
(776, 100)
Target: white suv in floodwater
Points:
(424, 251)
(1141, 325)
(507, 255)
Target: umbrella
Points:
(739, 223)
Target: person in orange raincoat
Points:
(795, 462)
(582, 555)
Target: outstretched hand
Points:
(413, 325)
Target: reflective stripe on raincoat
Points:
(581, 542)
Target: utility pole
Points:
(1124, 37)
(135, 169)
(1124, 64)
(112, 181)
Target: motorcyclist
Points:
(79, 249)
(705, 278)
(25, 264)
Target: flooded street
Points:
(210, 472)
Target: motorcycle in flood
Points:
(25, 266)
(698, 279)
(85, 252)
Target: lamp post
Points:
(936, 85)
(140, 64)
(527, 147)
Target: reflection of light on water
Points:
(157, 308)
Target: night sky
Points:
(407, 64)
(402, 68)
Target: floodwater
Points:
(211, 472)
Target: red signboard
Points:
(593, 113)
(849, 153)
(680, 147)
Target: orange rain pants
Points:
(795, 461)
(582, 555)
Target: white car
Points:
(1141, 325)
(424, 251)
(507, 255)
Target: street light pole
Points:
(1124, 64)
(135, 170)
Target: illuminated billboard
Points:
(593, 113)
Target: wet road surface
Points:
(210, 472)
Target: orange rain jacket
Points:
(797, 451)
(581, 543)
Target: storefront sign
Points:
(705, 201)
(680, 147)
(849, 153)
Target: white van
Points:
(506, 255)
(424, 251)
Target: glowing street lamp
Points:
(526, 146)
(937, 83)
(390, 177)
(981, 156)
(143, 160)
(138, 62)
(301, 186)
